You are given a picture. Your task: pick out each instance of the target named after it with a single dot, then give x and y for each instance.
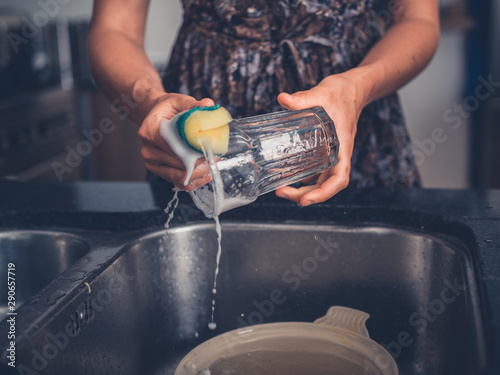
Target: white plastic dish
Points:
(336, 344)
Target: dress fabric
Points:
(243, 53)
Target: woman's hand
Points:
(343, 97)
(117, 29)
(404, 50)
(158, 156)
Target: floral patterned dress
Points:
(243, 53)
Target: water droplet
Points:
(212, 325)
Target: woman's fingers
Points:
(328, 184)
(168, 173)
(295, 101)
(200, 176)
(337, 182)
(156, 152)
(309, 180)
(155, 155)
(294, 194)
(206, 102)
(199, 182)
(338, 95)
(171, 168)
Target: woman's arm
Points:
(404, 51)
(124, 72)
(400, 55)
(117, 57)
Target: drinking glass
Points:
(265, 153)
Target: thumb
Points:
(182, 102)
(293, 101)
(206, 102)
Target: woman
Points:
(349, 56)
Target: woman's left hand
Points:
(343, 98)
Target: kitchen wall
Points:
(164, 18)
(442, 164)
(443, 159)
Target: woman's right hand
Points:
(157, 154)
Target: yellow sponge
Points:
(207, 125)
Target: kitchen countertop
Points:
(136, 205)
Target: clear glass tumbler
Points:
(265, 153)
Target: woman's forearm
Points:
(123, 71)
(400, 55)
(117, 57)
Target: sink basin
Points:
(152, 302)
(39, 257)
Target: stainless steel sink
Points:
(149, 301)
(38, 258)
